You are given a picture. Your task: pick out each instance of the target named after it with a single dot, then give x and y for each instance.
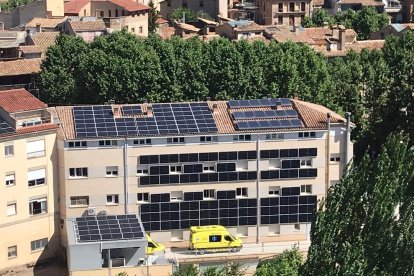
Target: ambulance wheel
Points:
(202, 251)
(234, 250)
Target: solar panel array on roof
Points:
(5, 127)
(269, 124)
(258, 103)
(108, 228)
(174, 118)
(261, 114)
(132, 110)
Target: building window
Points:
(205, 139)
(335, 158)
(297, 227)
(175, 140)
(208, 168)
(280, 8)
(8, 150)
(123, 13)
(116, 13)
(305, 163)
(306, 189)
(209, 194)
(143, 197)
(142, 171)
(79, 201)
(143, 142)
(241, 192)
(184, 4)
(274, 190)
(109, 13)
(291, 20)
(32, 123)
(201, 3)
(133, 30)
(140, 29)
(10, 179)
(112, 199)
(38, 244)
(280, 20)
(108, 143)
(77, 144)
(78, 172)
(275, 136)
(102, 13)
(84, 12)
(12, 252)
(38, 206)
(35, 148)
(112, 171)
(36, 177)
(176, 195)
(302, 6)
(291, 7)
(168, 3)
(11, 209)
(307, 134)
(175, 169)
(243, 137)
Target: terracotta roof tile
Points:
(66, 120)
(166, 32)
(161, 21)
(20, 67)
(314, 115)
(16, 100)
(249, 27)
(29, 129)
(75, 6)
(363, 2)
(45, 22)
(129, 5)
(30, 49)
(97, 25)
(45, 40)
(357, 46)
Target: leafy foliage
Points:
(10, 4)
(233, 269)
(286, 264)
(152, 17)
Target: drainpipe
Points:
(347, 138)
(328, 153)
(126, 175)
(258, 187)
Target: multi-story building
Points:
(117, 14)
(282, 12)
(258, 167)
(211, 7)
(29, 220)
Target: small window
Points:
(8, 150)
(109, 13)
(78, 172)
(132, 30)
(175, 169)
(275, 136)
(112, 199)
(246, 137)
(35, 148)
(184, 5)
(140, 29)
(36, 177)
(116, 13)
(176, 195)
(123, 12)
(297, 227)
(206, 139)
(168, 3)
(38, 244)
(274, 190)
(241, 192)
(280, 8)
(302, 6)
(291, 7)
(10, 179)
(112, 171)
(142, 171)
(108, 143)
(208, 168)
(201, 3)
(143, 142)
(214, 238)
(12, 251)
(306, 189)
(38, 206)
(102, 14)
(79, 201)
(209, 194)
(307, 134)
(11, 209)
(305, 163)
(335, 158)
(77, 144)
(280, 20)
(175, 140)
(143, 197)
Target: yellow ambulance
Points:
(213, 238)
(154, 246)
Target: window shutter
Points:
(35, 146)
(36, 174)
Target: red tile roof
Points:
(20, 67)
(129, 5)
(29, 129)
(45, 22)
(75, 6)
(16, 100)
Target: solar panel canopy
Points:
(259, 114)
(259, 103)
(108, 228)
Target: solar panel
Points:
(258, 103)
(269, 124)
(5, 127)
(132, 110)
(261, 114)
(107, 228)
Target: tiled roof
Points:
(248, 27)
(65, 116)
(30, 49)
(166, 32)
(318, 3)
(97, 25)
(187, 27)
(29, 129)
(75, 6)
(161, 21)
(16, 100)
(314, 115)
(357, 46)
(363, 2)
(20, 67)
(45, 39)
(45, 22)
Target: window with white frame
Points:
(77, 144)
(12, 251)
(108, 143)
(142, 170)
(112, 171)
(79, 201)
(242, 137)
(335, 157)
(306, 189)
(36, 177)
(10, 179)
(143, 197)
(78, 172)
(35, 148)
(297, 227)
(175, 140)
(307, 134)
(112, 199)
(209, 194)
(9, 150)
(38, 244)
(241, 192)
(305, 163)
(142, 142)
(275, 136)
(175, 169)
(11, 209)
(206, 139)
(38, 206)
(31, 122)
(209, 167)
(274, 190)
(176, 195)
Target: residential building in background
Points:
(393, 29)
(211, 7)
(282, 12)
(29, 209)
(239, 29)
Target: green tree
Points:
(285, 264)
(364, 226)
(178, 14)
(319, 18)
(152, 17)
(368, 20)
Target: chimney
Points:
(295, 96)
(334, 30)
(278, 105)
(214, 109)
(341, 44)
(208, 99)
(269, 96)
(38, 28)
(149, 110)
(389, 20)
(27, 39)
(116, 110)
(325, 24)
(145, 100)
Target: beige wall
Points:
(56, 7)
(20, 229)
(269, 12)
(136, 271)
(211, 7)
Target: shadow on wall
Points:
(50, 262)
